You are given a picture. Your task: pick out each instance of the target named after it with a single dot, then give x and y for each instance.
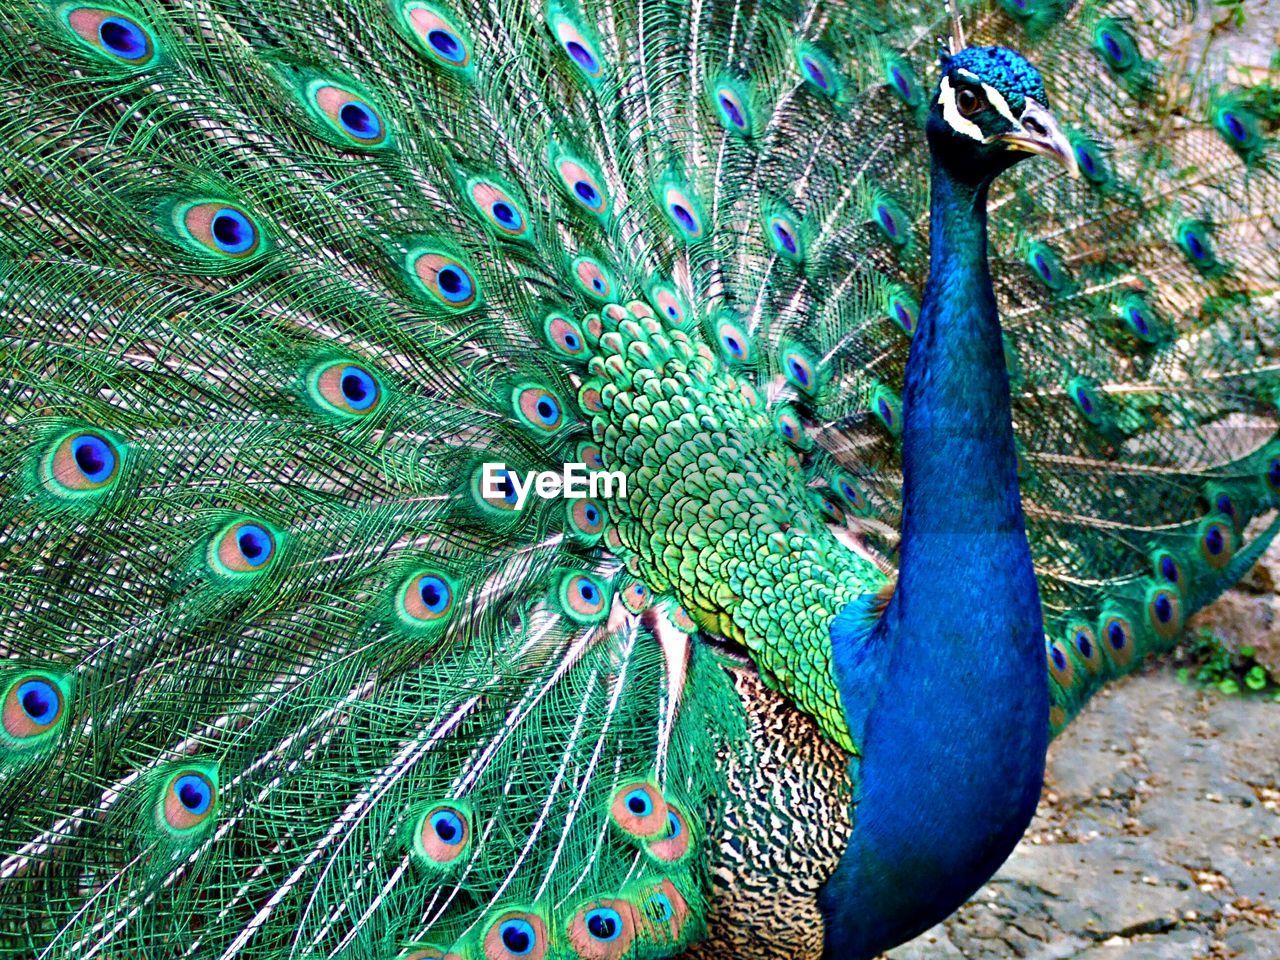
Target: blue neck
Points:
(954, 736)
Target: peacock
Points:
(486, 479)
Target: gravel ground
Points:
(1158, 834)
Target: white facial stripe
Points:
(951, 113)
(969, 75)
(997, 100)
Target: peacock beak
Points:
(1038, 132)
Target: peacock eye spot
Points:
(355, 387)
(1044, 268)
(232, 231)
(450, 280)
(243, 547)
(1214, 541)
(659, 908)
(36, 704)
(39, 701)
(638, 802)
(445, 279)
(346, 388)
(517, 936)
(193, 792)
(190, 796)
(785, 238)
(1086, 161)
(444, 42)
(885, 413)
(226, 229)
(813, 70)
(969, 101)
(124, 39)
(732, 112)
(604, 923)
(504, 213)
(1059, 658)
(359, 120)
(587, 192)
(434, 593)
(582, 56)
(684, 217)
(1194, 240)
(93, 457)
(1084, 645)
(1169, 569)
(253, 544)
(1273, 472)
(1164, 608)
(507, 487)
(1116, 635)
(447, 825)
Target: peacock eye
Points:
(969, 101)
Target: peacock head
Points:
(991, 111)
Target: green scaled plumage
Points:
(289, 669)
